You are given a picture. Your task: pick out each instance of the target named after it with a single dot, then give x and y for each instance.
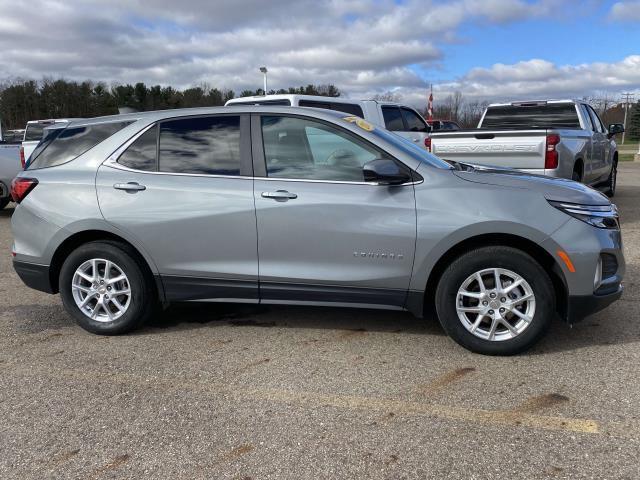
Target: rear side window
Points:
(351, 108)
(142, 154)
(392, 119)
(414, 122)
(553, 115)
(61, 145)
(201, 145)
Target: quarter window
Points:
(305, 149)
(142, 154)
(393, 119)
(201, 145)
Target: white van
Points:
(396, 117)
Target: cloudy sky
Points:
(490, 49)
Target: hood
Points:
(558, 189)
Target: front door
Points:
(325, 235)
(187, 199)
(407, 123)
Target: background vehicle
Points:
(560, 138)
(396, 117)
(33, 134)
(9, 164)
(298, 205)
(437, 125)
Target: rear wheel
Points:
(495, 300)
(612, 181)
(103, 285)
(4, 202)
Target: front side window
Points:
(392, 119)
(142, 153)
(201, 145)
(305, 149)
(414, 122)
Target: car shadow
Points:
(7, 211)
(186, 315)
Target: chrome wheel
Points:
(495, 304)
(101, 290)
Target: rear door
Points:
(183, 189)
(406, 122)
(324, 234)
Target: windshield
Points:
(411, 149)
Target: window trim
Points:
(246, 164)
(260, 160)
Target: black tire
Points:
(612, 181)
(143, 295)
(4, 202)
(508, 258)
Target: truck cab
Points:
(396, 117)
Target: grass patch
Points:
(625, 157)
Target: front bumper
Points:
(581, 306)
(34, 276)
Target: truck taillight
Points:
(427, 143)
(20, 188)
(551, 154)
(22, 159)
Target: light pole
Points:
(264, 72)
(628, 97)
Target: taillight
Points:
(551, 154)
(23, 161)
(20, 188)
(427, 143)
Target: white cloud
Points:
(625, 12)
(362, 46)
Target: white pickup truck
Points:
(559, 138)
(399, 118)
(9, 168)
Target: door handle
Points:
(280, 195)
(129, 187)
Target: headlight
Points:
(601, 216)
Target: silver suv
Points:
(297, 205)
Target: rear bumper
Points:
(34, 276)
(581, 306)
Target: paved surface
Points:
(245, 392)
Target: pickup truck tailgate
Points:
(502, 148)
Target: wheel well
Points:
(499, 239)
(579, 166)
(78, 239)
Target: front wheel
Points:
(104, 287)
(495, 300)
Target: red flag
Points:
(430, 106)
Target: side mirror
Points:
(385, 172)
(615, 128)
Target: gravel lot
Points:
(246, 392)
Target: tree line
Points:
(24, 100)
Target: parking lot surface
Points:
(211, 391)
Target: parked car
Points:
(437, 125)
(396, 117)
(9, 164)
(563, 138)
(121, 213)
(33, 134)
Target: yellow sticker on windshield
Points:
(363, 124)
